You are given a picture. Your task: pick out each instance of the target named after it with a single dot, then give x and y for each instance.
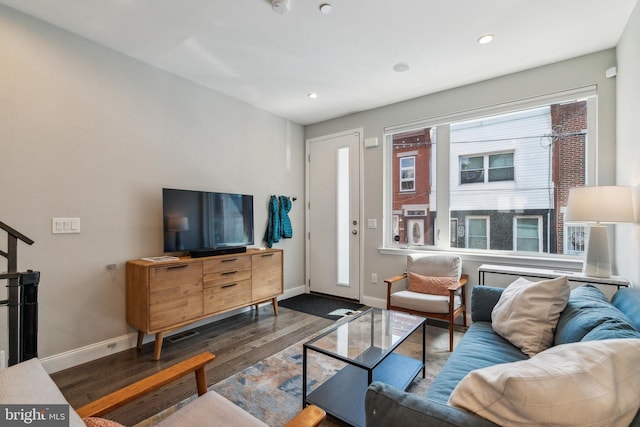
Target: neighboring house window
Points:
(407, 173)
(477, 232)
(527, 234)
(471, 169)
(499, 167)
(490, 205)
(575, 236)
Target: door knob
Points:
(354, 232)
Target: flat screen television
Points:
(206, 223)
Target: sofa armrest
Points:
(127, 394)
(388, 406)
(483, 299)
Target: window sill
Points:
(540, 261)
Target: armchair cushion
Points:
(527, 312)
(435, 265)
(211, 409)
(423, 302)
(430, 284)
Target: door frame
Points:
(307, 255)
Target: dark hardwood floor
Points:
(238, 342)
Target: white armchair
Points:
(435, 288)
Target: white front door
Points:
(333, 214)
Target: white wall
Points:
(628, 142)
(575, 73)
(87, 132)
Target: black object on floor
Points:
(322, 306)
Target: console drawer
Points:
(224, 296)
(227, 264)
(227, 276)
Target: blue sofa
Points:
(589, 315)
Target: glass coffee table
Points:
(366, 342)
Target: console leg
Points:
(140, 338)
(275, 305)
(158, 345)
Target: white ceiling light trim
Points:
(325, 8)
(485, 38)
(280, 6)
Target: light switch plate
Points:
(65, 225)
(372, 223)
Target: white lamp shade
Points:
(603, 204)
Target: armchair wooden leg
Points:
(451, 335)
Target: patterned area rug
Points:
(271, 390)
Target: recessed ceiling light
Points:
(485, 38)
(326, 8)
(280, 6)
(312, 95)
(400, 67)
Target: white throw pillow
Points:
(527, 312)
(590, 383)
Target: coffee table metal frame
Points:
(342, 395)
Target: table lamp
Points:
(178, 224)
(599, 205)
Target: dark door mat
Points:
(321, 306)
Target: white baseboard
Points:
(78, 356)
(374, 302)
(288, 293)
(88, 353)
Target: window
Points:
(477, 232)
(500, 168)
(471, 169)
(527, 234)
(408, 173)
(575, 236)
(413, 187)
(507, 171)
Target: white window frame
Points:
(515, 232)
(441, 124)
(467, 228)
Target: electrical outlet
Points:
(111, 345)
(374, 277)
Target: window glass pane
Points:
(527, 232)
(518, 164)
(502, 174)
(501, 160)
(477, 231)
(471, 169)
(414, 190)
(546, 146)
(343, 216)
(406, 162)
(575, 237)
(501, 167)
(471, 163)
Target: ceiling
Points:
(273, 61)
